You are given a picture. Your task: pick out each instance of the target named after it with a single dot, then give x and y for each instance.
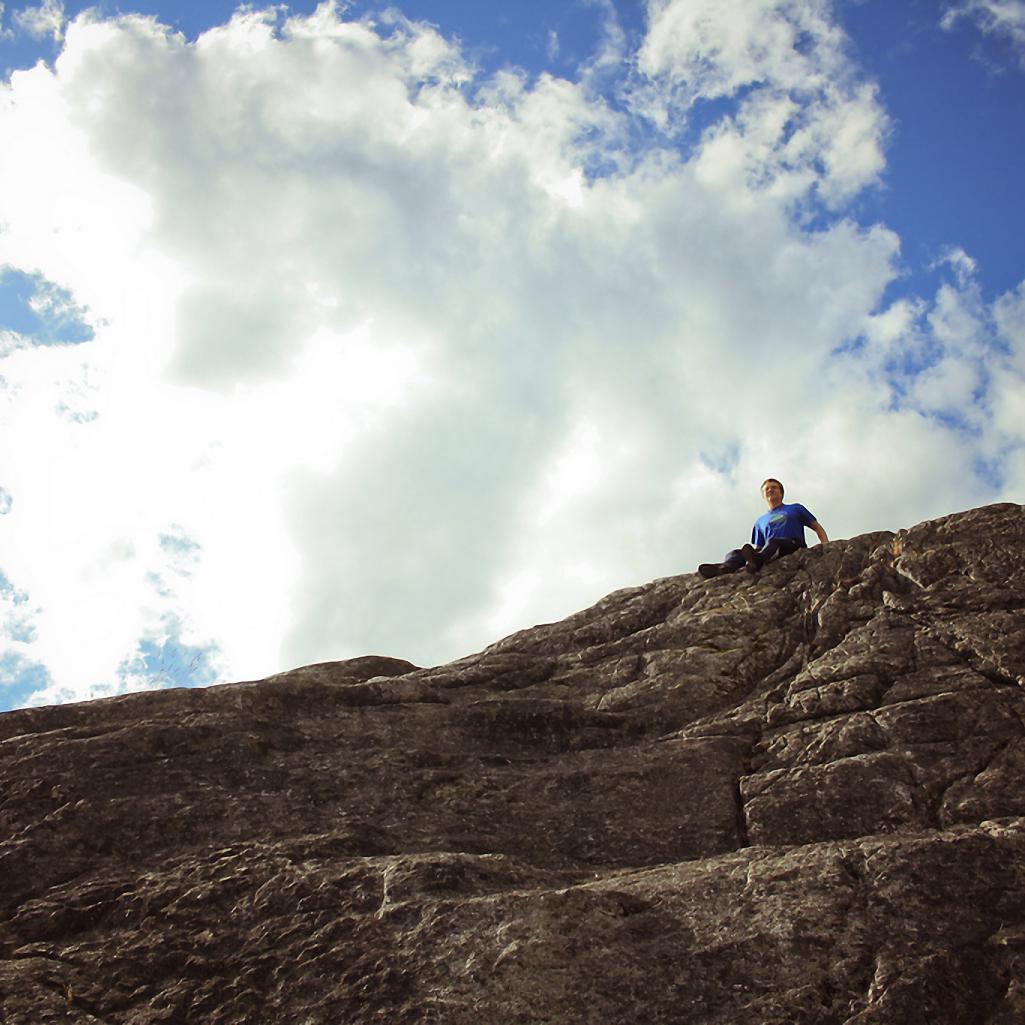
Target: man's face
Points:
(772, 493)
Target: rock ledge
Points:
(793, 799)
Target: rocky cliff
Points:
(790, 799)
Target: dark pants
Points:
(774, 548)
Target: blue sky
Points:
(957, 99)
(334, 330)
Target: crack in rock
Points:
(793, 799)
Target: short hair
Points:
(772, 480)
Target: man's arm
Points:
(820, 531)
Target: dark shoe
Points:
(752, 560)
(711, 569)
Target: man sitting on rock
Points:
(776, 533)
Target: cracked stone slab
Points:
(794, 798)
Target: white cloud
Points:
(804, 120)
(46, 19)
(1008, 388)
(611, 52)
(1002, 18)
(552, 45)
(398, 372)
(712, 48)
(1010, 319)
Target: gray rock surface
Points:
(790, 799)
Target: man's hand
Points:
(820, 531)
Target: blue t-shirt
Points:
(783, 521)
